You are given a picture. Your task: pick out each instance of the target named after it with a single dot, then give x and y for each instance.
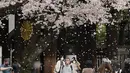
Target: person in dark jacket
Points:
(126, 68)
(6, 65)
(16, 66)
(5, 68)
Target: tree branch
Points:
(3, 11)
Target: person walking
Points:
(59, 65)
(126, 68)
(67, 68)
(6, 65)
(88, 67)
(36, 67)
(5, 68)
(16, 66)
(106, 66)
(76, 65)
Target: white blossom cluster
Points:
(6, 3)
(93, 11)
(118, 4)
(62, 13)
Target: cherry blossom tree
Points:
(62, 12)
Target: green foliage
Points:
(100, 34)
(122, 17)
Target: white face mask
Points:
(62, 58)
(74, 61)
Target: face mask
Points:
(74, 62)
(62, 58)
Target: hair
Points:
(15, 60)
(89, 64)
(103, 66)
(59, 57)
(6, 60)
(68, 58)
(74, 58)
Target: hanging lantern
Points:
(26, 30)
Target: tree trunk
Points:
(32, 52)
(121, 34)
(111, 49)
